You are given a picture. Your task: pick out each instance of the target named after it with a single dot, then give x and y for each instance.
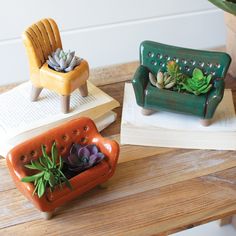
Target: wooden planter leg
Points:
(65, 103)
(35, 93)
(84, 90)
(146, 112)
(47, 215)
(225, 221)
(205, 122)
(233, 222)
(104, 185)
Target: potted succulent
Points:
(50, 66)
(174, 79)
(180, 80)
(62, 163)
(62, 61)
(229, 7)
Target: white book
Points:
(22, 119)
(168, 129)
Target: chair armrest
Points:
(140, 81)
(214, 97)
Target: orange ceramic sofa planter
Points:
(82, 131)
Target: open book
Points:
(167, 129)
(21, 119)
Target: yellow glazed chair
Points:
(40, 40)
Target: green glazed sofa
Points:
(154, 56)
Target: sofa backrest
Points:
(155, 56)
(81, 130)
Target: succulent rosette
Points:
(162, 80)
(82, 158)
(198, 84)
(63, 61)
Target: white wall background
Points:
(107, 32)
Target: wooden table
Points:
(161, 191)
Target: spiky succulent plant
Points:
(49, 172)
(226, 5)
(162, 80)
(82, 158)
(173, 70)
(198, 84)
(63, 61)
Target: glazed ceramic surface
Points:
(154, 56)
(81, 130)
(41, 39)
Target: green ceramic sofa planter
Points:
(154, 56)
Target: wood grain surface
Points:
(155, 191)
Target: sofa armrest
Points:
(214, 98)
(110, 148)
(140, 81)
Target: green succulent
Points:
(162, 80)
(226, 5)
(173, 78)
(174, 71)
(198, 84)
(49, 170)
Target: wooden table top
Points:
(155, 191)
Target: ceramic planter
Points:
(154, 56)
(82, 131)
(41, 40)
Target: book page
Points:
(19, 114)
(101, 122)
(224, 118)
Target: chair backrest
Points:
(155, 56)
(41, 39)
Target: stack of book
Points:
(166, 129)
(22, 119)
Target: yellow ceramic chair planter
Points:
(40, 40)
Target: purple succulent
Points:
(83, 157)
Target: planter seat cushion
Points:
(174, 101)
(82, 182)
